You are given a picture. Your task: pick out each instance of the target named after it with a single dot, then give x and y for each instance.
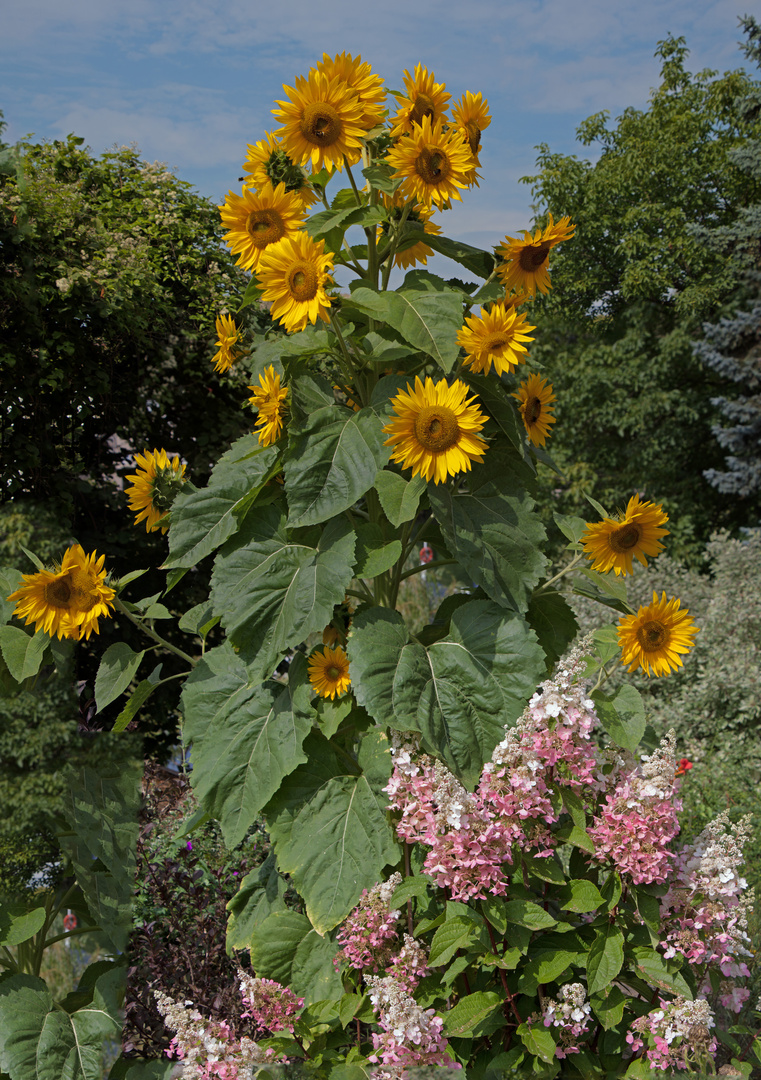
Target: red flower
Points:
(683, 766)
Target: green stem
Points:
(390, 251)
(70, 933)
(354, 187)
(344, 356)
(562, 573)
(153, 635)
(426, 566)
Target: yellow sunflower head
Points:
(329, 672)
(68, 600)
(267, 162)
(293, 275)
(424, 99)
(322, 122)
(654, 638)
(154, 487)
(535, 399)
(495, 338)
(525, 265)
(613, 545)
(228, 336)
(360, 78)
(256, 220)
(432, 163)
(434, 429)
(270, 399)
(471, 117)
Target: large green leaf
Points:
(202, 519)
(260, 895)
(272, 591)
(473, 259)
(23, 652)
(246, 736)
(554, 622)
(40, 1040)
(460, 691)
(622, 716)
(492, 530)
(116, 671)
(605, 958)
(332, 463)
(287, 949)
(18, 923)
(428, 320)
(329, 826)
(101, 812)
(399, 497)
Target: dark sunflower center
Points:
(423, 106)
(436, 428)
(333, 673)
(302, 281)
(264, 227)
(533, 410)
(532, 257)
(58, 593)
(652, 635)
(432, 166)
(320, 124)
(473, 136)
(625, 538)
(495, 343)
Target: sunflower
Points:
(435, 429)
(329, 672)
(293, 275)
(432, 163)
(471, 117)
(425, 99)
(257, 220)
(495, 337)
(613, 545)
(154, 487)
(269, 398)
(526, 261)
(535, 399)
(338, 627)
(654, 638)
(228, 335)
(360, 78)
(267, 162)
(322, 122)
(69, 600)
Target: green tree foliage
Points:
(111, 274)
(631, 292)
(731, 346)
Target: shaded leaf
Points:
(622, 715)
(399, 497)
(22, 652)
(605, 958)
(285, 947)
(115, 672)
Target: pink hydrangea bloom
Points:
(370, 931)
(272, 1006)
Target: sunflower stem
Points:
(344, 358)
(353, 183)
(394, 244)
(426, 566)
(561, 573)
(152, 633)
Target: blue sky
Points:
(192, 82)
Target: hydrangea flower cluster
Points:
(410, 964)
(639, 819)
(704, 914)
(367, 936)
(411, 1036)
(271, 1005)
(206, 1047)
(471, 836)
(570, 1015)
(677, 1035)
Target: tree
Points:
(631, 291)
(111, 274)
(732, 346)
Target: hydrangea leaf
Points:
(332, 463)
(475, 1015)
(605, 958)
(272, 590)
(427, 320)
(260, 894)
(246, 735)
(330, 830)
(492, 530)
(460, 691)
(203, 518)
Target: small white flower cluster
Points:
(716, 855)
(451, 799)
(693, 1019)
(206, 1048)
(383, 892)
(570, 1014)
(655, 779)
